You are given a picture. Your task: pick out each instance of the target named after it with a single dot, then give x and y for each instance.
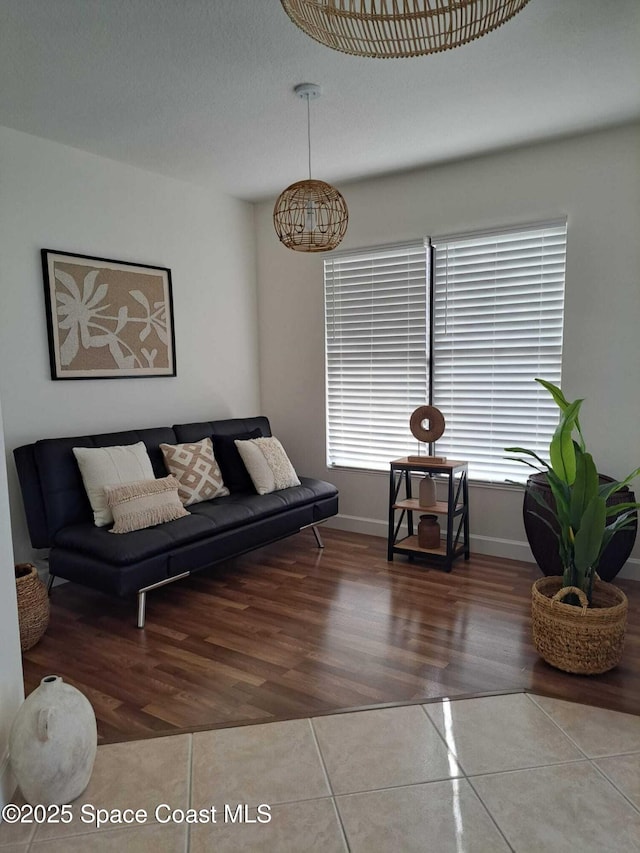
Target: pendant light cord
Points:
(309, 132)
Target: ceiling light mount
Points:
(310, 215)
(393, 29)
(307, 91)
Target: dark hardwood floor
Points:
(290, 630)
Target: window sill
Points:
(483, 484)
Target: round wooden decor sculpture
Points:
(434, 417)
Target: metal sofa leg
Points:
(50, 583)
(142, 594)
(142, 602)
(316, 533)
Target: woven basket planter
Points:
(580, 639)
(33, 605)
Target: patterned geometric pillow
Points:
(268, 465)
(196, 470)
(146, 503)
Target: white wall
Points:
(11, 692)
(594, 180)
(56, 197)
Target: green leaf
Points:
(569, 579)
(562, 449)
(556, 393)
(588, 540)
(614, 509)
(547, 522)
(607, 489)
(626, 520)
(585, 487)
(524, 462)
(580, 577)
(561, 494)
(527, 452)
(562, 403)
(592, 575)
(538, 498)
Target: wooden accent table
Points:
(455, 508)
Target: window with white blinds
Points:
(497, 324)
(377, 352)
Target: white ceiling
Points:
(201, 90)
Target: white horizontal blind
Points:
(498, 314)
(377, 368)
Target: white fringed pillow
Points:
(111, 466)
(144, 504)
(268, 465)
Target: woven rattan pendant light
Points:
(390, 29)
(310, 216)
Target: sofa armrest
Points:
(32, 496)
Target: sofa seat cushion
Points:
(239, 508)
(131, 547)
(204, 521)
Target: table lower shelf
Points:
(410, 543)
(438, 508)
(409, 546)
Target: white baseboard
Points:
(357, 524)
(510, 549)
(7, 782)
(631, 570)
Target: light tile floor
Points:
(512, 772)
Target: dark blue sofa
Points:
(59, 515)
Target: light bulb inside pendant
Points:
(310, 218)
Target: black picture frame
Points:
(107, 319)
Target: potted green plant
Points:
(578, 620)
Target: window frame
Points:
(431, 246)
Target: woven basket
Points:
(33, 605)
(580, 639)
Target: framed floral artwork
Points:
(107, 319)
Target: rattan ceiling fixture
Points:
(310, 216)
(391, 29)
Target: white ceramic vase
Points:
(53, 743)
(427, 491)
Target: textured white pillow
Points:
(143, 504)
(111, 466)
(268, 465)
